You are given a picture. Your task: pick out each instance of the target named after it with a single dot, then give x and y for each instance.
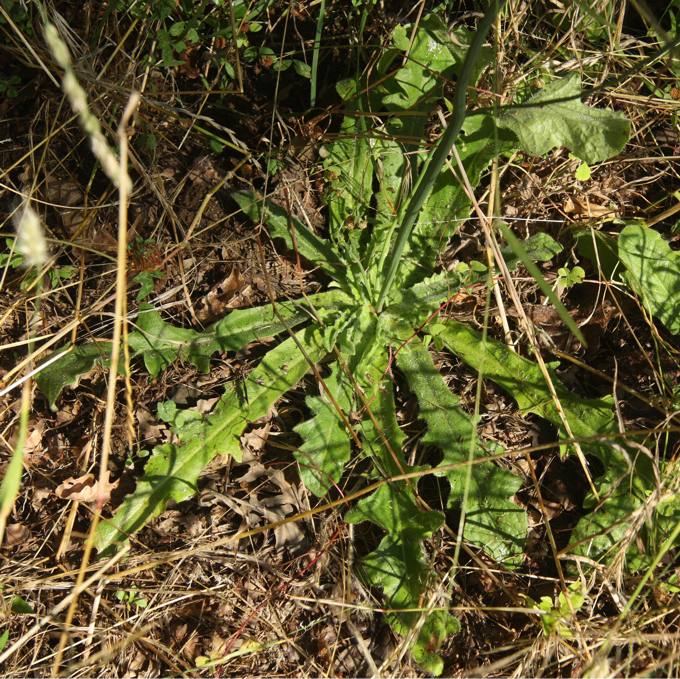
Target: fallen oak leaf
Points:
(86, 488)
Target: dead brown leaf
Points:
(255, 439)
(86, 488)
(231, 293)
(15, 534)
(38, 497)
(67, 413)
(34, 439)
(149, 428)
(582, 207)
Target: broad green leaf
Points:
(349, 168)
(653, 272)
(20, 606)
(434, 54)
(242, 326)
(601, 249)
(437, 628)
(598, 534)
(67, 371)
(361, 343)
(147, 282)
(326, 448)
(582, 173)
(397, 566)
(160, 343)
(172, 470)
(185, 422)
(326, 444)
(431, 57)
(556, 117)
(394, 509)
(493, 522)
(393, 172)
(383, 439)
(415, 304)
(541, 247)
(296, 235)
(523, 380)
(449, 427)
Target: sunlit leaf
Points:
(172, 470)
(160, 343)
(493, 522)
(67, 371)
(326, 444)
(627, 477)
(556, 117)
(653, 271)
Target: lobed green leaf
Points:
(326, 446)
(398, 565)
(493, 521)
(67, 371)
(627, 477)
(159, 343)
(173, 470)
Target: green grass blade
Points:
(11, 481)
(436, 161)
(315, 55)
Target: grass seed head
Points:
(31, 243)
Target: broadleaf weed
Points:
(386, 227)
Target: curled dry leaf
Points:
(231, 293)
(149, 428)
(86, 488)
(582, 207)
(16, 534)
(254, 440)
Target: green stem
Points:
(436, 161)
(315, 55)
